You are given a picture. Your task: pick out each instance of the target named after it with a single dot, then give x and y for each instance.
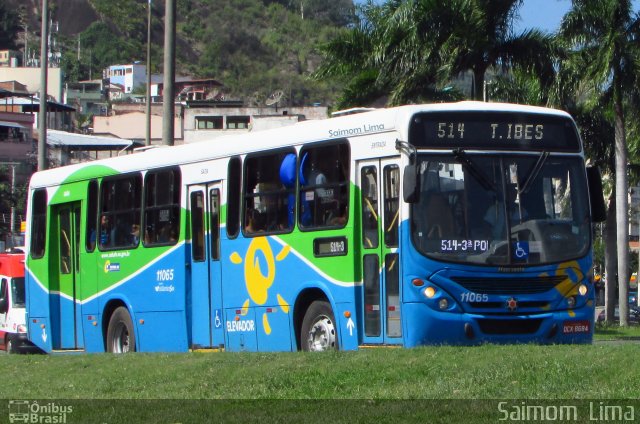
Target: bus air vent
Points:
(511, 286)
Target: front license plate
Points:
(573, 327)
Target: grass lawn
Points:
(427, 384)
(484, 372)
(615, 332)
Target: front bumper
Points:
(425, 326)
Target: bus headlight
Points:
(429, 292)
(571, 301)
(22, 328)
(443, 304)
(583, 289)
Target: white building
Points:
(129, 77)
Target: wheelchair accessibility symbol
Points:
(520, 250)
(217, 321)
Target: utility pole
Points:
(168, 92)
(148, 108)
(25, 54)
(12, 219)
(42, 111)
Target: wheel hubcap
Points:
(322, 335)
(121, 339)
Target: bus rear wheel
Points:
(318, 332)
(120, 333)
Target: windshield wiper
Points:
(473, 169)
(534, 172)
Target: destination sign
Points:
(493, 130)
(331, 246)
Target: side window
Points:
(324, 186)
(119, 212)
(269, 193)
(92, 215)
(369, 191)
(234, 177)
(197, 226)
(38, 223)
(391, 204)
(65, 248)
(214, 207)
(161, 208)
(209, 122)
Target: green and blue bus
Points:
(460, 223)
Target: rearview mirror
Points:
(596, 195)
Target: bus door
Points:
(66, 310)
(379, 183)
(204, 300)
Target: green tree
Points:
(9, 26)
(414, 48)
(483, 32)
(605, 32)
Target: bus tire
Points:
(10, 345)
(319, 332)
(121, 336)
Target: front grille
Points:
(501, 285)
(509, 326)
(521, 305)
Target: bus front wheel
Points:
(319, 332)
(120, 333)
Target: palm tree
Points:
(486, 40)
(348, 58)
(412, 49)
(605, 33)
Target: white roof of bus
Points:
(302, 132)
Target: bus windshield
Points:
(501, 209)
(17, 292)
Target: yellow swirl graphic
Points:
(258, 283)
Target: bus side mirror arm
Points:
(596, 195)
(411, 184)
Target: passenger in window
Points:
(167, 234)
(318, 202)
(340, 218)
(149, 234)
(105, 231)
(121, 233)
(254, 222)
(135, 234)
(275, 213)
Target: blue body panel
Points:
(253, 308)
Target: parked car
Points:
(13, 329)
(634, 314)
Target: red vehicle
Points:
(13, 331)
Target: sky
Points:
(542, 14)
